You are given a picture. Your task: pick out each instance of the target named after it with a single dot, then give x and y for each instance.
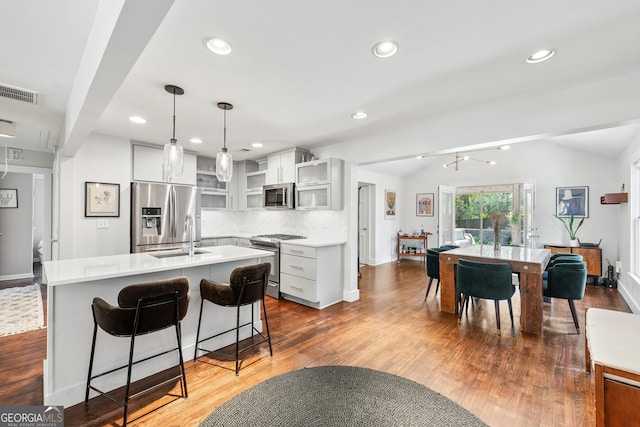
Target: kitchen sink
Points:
(175, 254)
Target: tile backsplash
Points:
(312, 224)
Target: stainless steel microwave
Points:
(279, 196)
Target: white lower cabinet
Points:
(310, 275)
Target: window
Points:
(635, 244)
(474, 206)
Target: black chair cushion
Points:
(254, 278)
(157, 307)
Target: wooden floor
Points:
(505, 380)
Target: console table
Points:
(592, 256)
(419, 251)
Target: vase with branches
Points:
(498, 219)
(569, 226)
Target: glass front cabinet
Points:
(319, 184)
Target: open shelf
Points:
(614, 198)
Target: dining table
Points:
(529, 263)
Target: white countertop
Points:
(105, 267)
(314, 243)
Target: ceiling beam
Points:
(120, 32)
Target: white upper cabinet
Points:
(319, 184)
(148, 166)
(281, 167)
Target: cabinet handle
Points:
(298, 251)
(297, 267)
(295, 287)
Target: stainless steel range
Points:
(271, 242)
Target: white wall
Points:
(628, 283)
(101, 159)
(386, 230)
(544, 164)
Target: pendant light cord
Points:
(224, 139)
(173, 140)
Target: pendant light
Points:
(173, 153)
(224, 162)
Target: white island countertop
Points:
(78, 270)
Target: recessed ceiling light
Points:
(420, 157)
(384, 49)
(217, 45)
(504, 147)
(137, 119)
(196, 140)
(359, 115)
(540, 55)
(257, 144)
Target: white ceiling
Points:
(299, 69)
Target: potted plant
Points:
(573, 239)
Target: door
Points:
(446, 214)
(363, 224)
(530, 231)
(184, 199)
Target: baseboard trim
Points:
(16, 276)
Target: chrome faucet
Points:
(188, 223)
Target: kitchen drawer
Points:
(298, 266)
(298, 287)
(304, 251)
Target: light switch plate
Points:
(102, 223)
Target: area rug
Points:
(20, 310)
(340, 396)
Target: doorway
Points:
(26, 228)
(365, 221)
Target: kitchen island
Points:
(71, 286)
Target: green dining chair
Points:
(488, 281)
(433, 266)
(567, 280)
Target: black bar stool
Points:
(247, 285)
(142, 309)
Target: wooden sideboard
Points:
(591, 255)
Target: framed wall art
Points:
(8, 198)
(572, 201)
(389, 204)
(101, 199)
(424, 204)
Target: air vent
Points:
(242, 150)
(19, 94)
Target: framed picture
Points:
(101, 199)
(389, 204)
(424, 204)
(8, 198)
(572, 201)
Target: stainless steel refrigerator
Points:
(159, 216)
